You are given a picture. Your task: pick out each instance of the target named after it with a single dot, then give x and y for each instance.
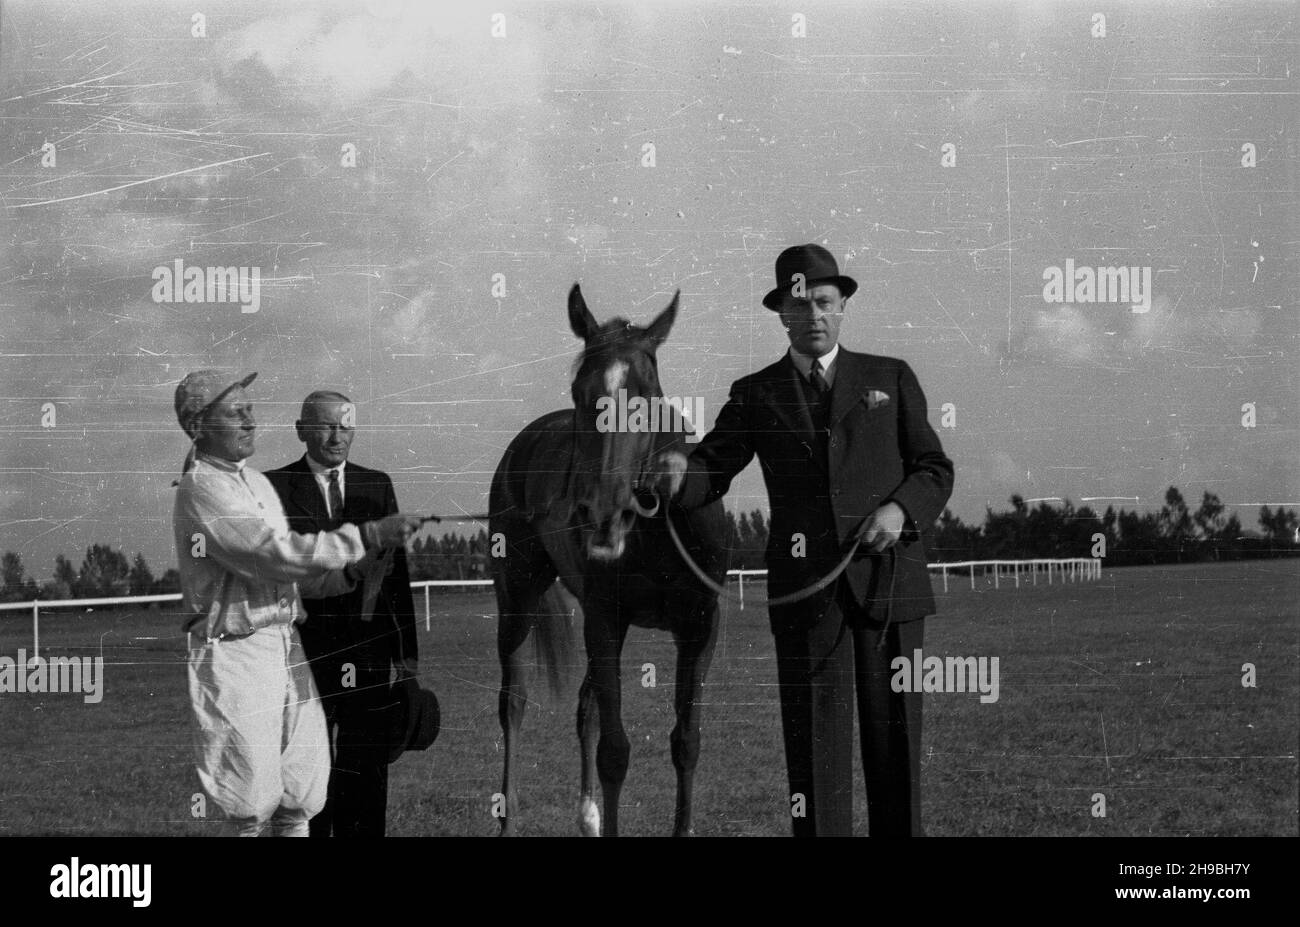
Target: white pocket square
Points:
(876, 398)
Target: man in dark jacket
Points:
(846, 451)
(352, 649)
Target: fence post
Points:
(972, 574)
(997, 573)
(426, 609)
(36, 631)
(945, 577)
(740, 578)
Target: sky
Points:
(384, 165)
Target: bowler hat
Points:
(811, 265)
(413, 719)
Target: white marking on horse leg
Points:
(588, 817)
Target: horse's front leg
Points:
(588, 735)
(694, 654)
(604, 638)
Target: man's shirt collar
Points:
(803, 363)
(322, 470)
(220, 463)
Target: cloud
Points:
(1114, 335)
(1062, 333)
(338, 61)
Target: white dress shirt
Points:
(322, 474)
(804, 364)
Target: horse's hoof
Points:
(686, 832)
(588, 818)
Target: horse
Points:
(568, 501)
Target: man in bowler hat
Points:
(846, 453)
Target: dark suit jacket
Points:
(877, 451)
(333, 630)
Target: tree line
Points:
(454, 556)
(1174, 534)
(104, 572)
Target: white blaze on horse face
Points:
(615, 377)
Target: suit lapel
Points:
(786, 399)
(355, 492)
(306, 494)
(850, 385)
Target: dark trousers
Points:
(818, 672)
(357, 801)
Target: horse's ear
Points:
(658, 329)
(581, 320)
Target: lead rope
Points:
(786, 599)
(884, 632)
(802, 593)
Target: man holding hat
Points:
(847, 455)
(262, 751)
(353, 640)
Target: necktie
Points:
(336, 496)
(819, 384)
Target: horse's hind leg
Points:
(519, 593)
(694, 654)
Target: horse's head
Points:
(617, 366)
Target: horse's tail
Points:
(553, 637)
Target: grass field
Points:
(1130, 686)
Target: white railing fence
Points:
(1069, 569)
(47, 604)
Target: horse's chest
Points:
(634, 599)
